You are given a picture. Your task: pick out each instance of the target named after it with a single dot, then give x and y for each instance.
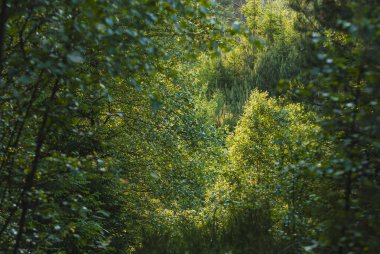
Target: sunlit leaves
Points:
(82, 106)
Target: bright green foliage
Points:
(272, 53)
(267, 181)
(96, 124)
(120, 134)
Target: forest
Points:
(190, 126)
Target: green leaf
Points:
(236, 26)
(154, 175)
(155, 103)
(75, 57)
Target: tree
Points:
(345, 38)
(267, 181)
(73, 76)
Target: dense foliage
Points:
(189, 126)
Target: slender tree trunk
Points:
(29, 181)
(3, 21)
